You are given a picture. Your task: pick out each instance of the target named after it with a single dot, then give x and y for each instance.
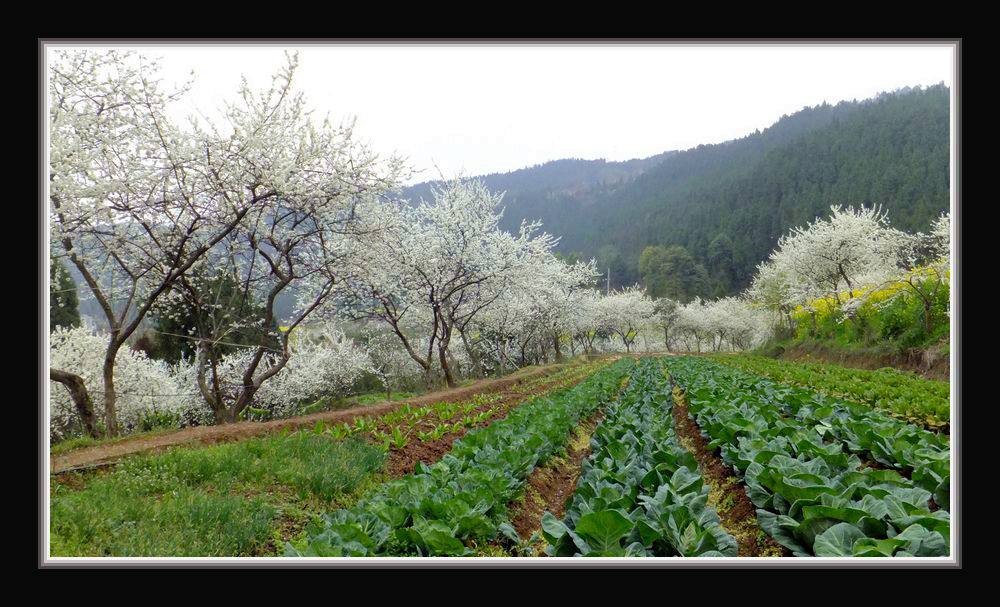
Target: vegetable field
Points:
(897, 393)
(682, 456)
(829, 478)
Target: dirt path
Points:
(550, 486)
(727, 493)
(210, 435)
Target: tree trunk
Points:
(473, 357)
(110, 398)
(443, 356)
(81, 398)
(242, 402)
(555, 344)
(211, 394)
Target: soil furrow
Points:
(727, 493)
(550, 487)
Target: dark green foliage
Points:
(719, 260)
(798, 453)
(897, 393)
(891, 150)
(64, 306)
(640, 492)
(610, 263)
(672, 272)
(220, 302)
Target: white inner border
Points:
(520, 561)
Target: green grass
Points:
(374, 397)
(225, 500)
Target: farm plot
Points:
(247, 498)
(640, 492)
(919, 454)
(462, 498)
(897, 393)
(800, 455)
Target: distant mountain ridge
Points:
(568, 176)
(728, 203)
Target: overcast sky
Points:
(482, 109)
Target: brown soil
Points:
(727, 493)
(550, 487)
(98, 455)
(402, 461)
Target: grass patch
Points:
(374, 397)
(225, 500)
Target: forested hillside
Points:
(727, 204)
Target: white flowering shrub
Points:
(148, 390)
(388, 361)
(316, 368)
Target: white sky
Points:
(479, 109)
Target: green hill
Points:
(728, 203)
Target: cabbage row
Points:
(464, 495)
(640, 492)
(924, 455)
(813, 497)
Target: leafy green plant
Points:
(640, 492)
(464, 495)
(398, 439)
(363, 424)
(794, 452)
(898, 393)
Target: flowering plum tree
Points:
(850, 249)
(625, 313)
(137, 201)
(442, 262)
(146, 387)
